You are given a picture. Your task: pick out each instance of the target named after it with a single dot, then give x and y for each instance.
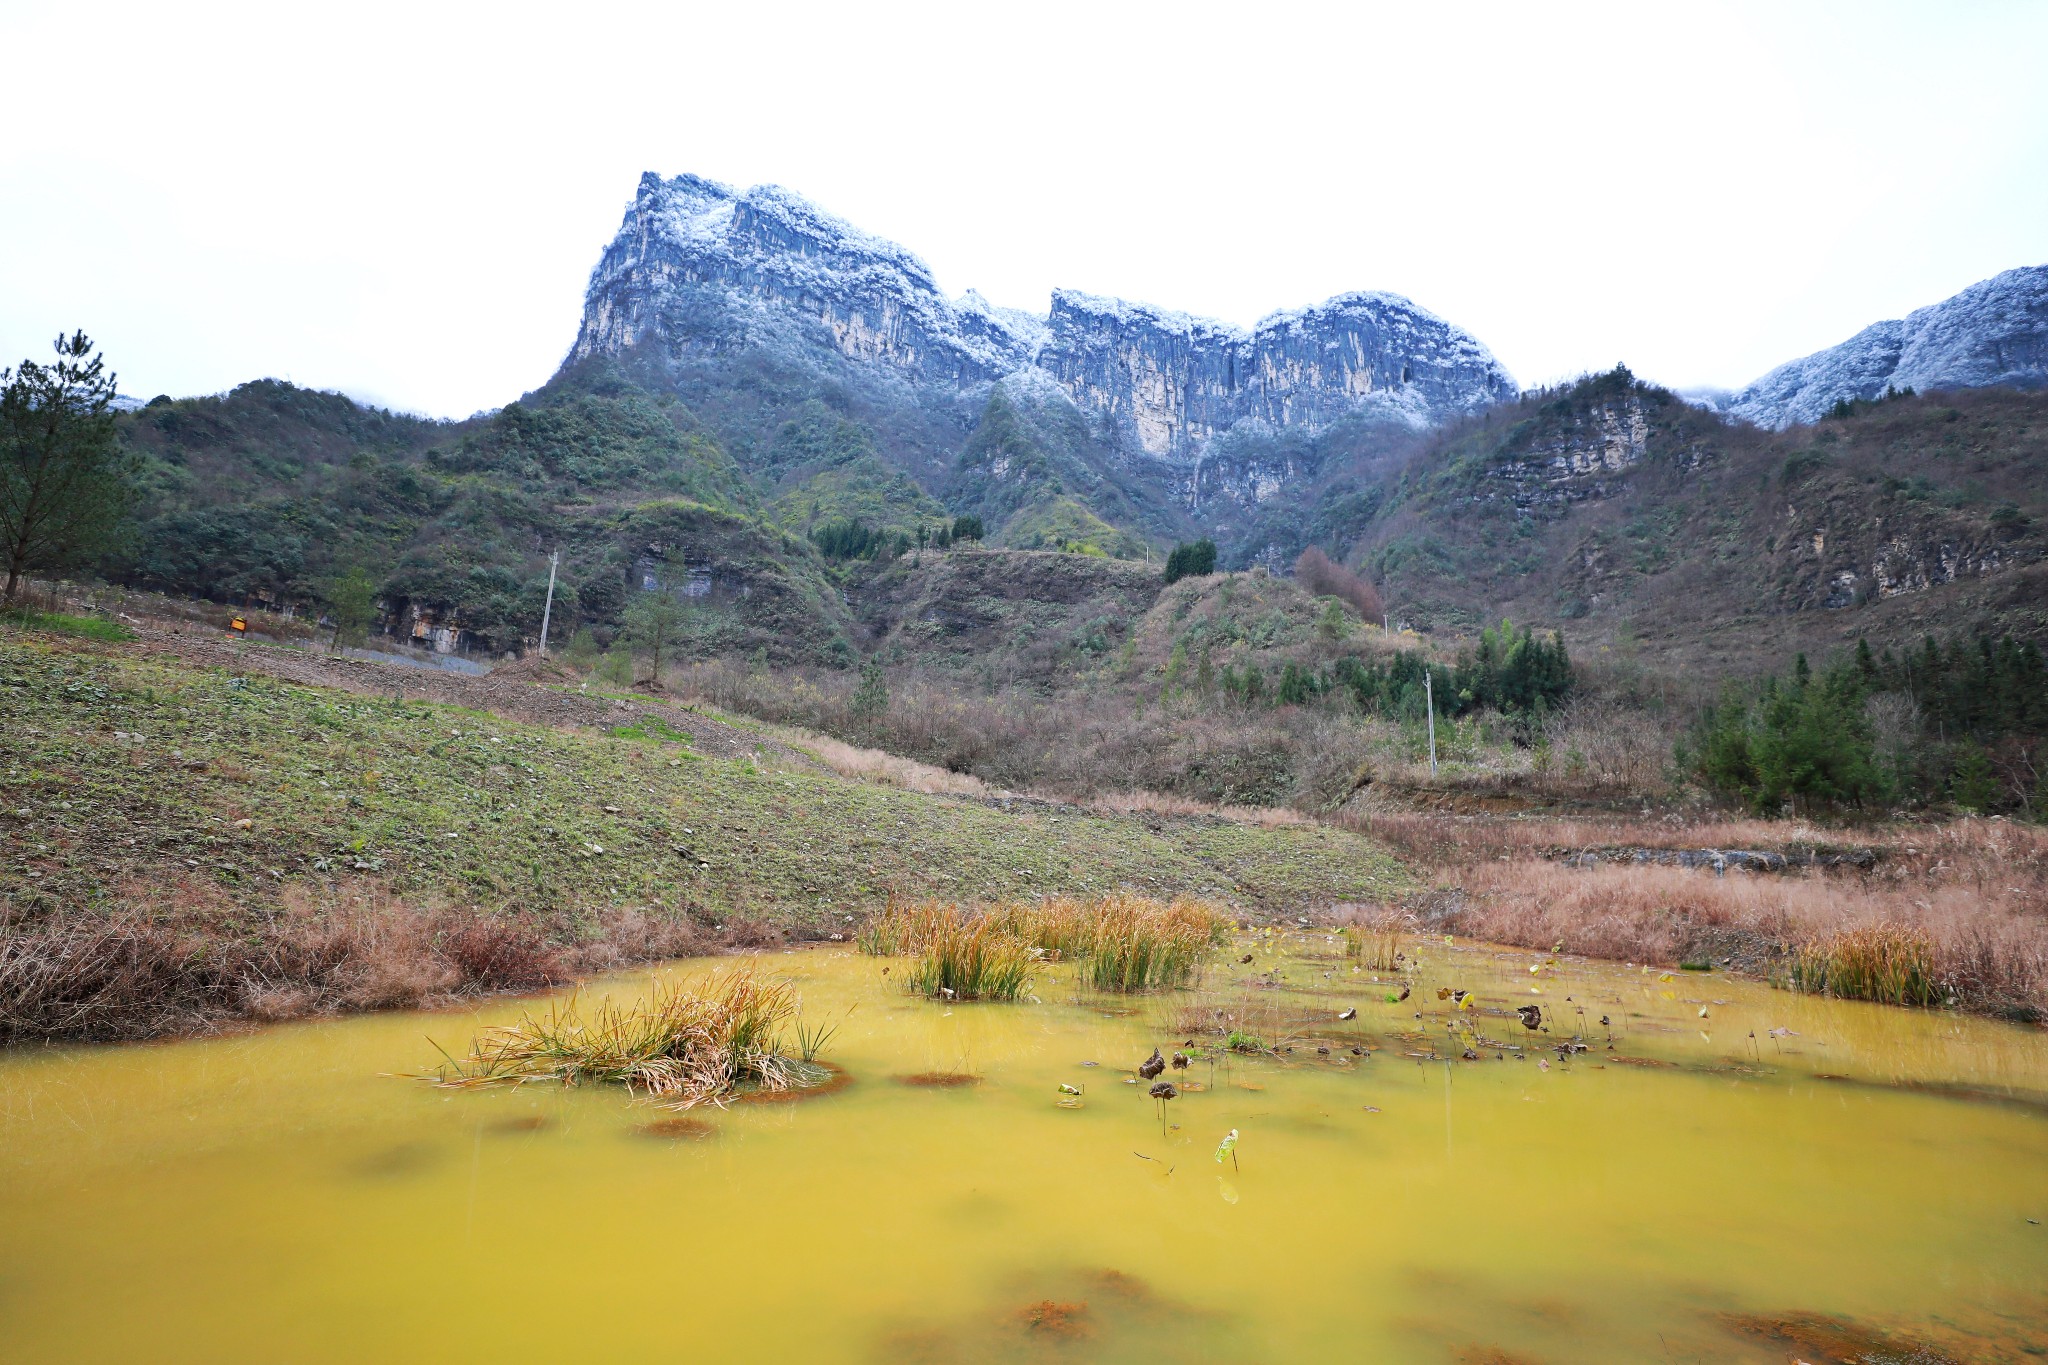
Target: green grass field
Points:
(123, 777)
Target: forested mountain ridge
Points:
(754, 379)
(750, 304)
(1626, 514)
(269, 493)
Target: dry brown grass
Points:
(1074, 746)
(1439, 839)
(1374, 934)
(174, 962)
(1973, 894)
(1162, 803)
(890, 770)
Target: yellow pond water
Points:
(271, 1197)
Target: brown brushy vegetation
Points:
(1952, 912)
(1148, 739)
(1076, 746)
(1324, 577)
(167, 966)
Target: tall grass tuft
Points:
(969, 957)
(689, 1044)
(1140, 944)
(1373, 935)
(1120, 943)
(1881, 962)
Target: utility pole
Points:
(1429, 699)
(547, 612)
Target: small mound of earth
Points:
(940, 1080)
(533, 668)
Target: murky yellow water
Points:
(271, 1197)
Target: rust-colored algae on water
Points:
(686, 1127)
(520, 1123)
(939, 1080)
(1055, 1318)
(1120, 1284)
(1822, 1340)
(820, 1079)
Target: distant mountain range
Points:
(699, 270)
(1124, 414)
(750, 369)
(1094, 422)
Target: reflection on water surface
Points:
(1726, 1172)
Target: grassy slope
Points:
(123, 780)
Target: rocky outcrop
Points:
(1993, 333)
(1581, 460)
(699, 269)
(1172, 383)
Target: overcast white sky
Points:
(404, 202)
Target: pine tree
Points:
(871, 698)
(1191, 559)
(654, 625)
(65, 486)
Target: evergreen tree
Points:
(654, 625)
(1191, 559)
(65, 486)
(352, 606)
(871, 697)
(1974, 786)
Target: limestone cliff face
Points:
(1173, 383)
(700, 270)
(1586, 455)
(1993, 333)
(1834, 557)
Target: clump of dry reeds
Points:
(1140, 944)
(1882, 962)
(688, 1044)
(962, 956)
(1373, 936)
(1120, 942)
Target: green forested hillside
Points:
(1639, 521)
(271, 492)
(1633, 519)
